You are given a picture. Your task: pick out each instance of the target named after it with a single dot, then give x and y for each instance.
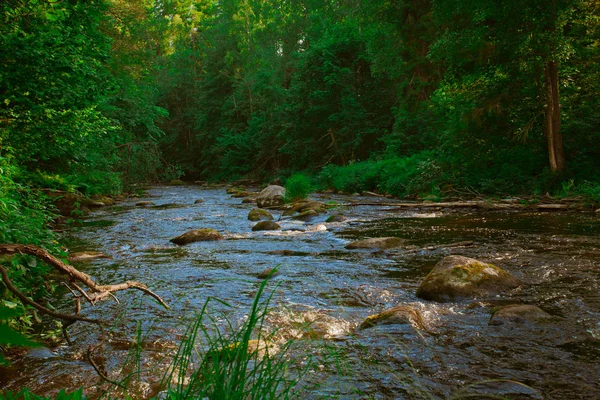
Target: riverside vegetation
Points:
(415, 99)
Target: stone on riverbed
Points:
(456, 277)
(306, 215)
(144, 204)
(396, 315)
(268, 273)
(518, 313)
(271, 196)
(198, 235)
(266, 226)
(257, 214)
(86, 256)
(376, 243)
(337, 218)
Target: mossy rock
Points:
(257, 214)
(458, 277)
(302, 206)
(518, 313)
(266, 226)
(271, 196)
(144, 204)
(240, 194)
(198, 235)
(306, 215)
(337, 218)
(176, 182)
(268, 273)
(235, 189)
(396, 315)
(249, 200)
(377, 243)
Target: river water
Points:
(555, 253)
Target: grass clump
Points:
(297, 187)
(242, 364)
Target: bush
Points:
(297, 187)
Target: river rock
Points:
(256, 214)
(302, 206)
(198, 235)
(248, 200)
(268, 273)
(337, 218)
(67, 203)
(199, 201)
(456, 277)
(396, 315)
(144, 204)
(306, 215)
(271, 196)
(266, 226)
(518, 313)
(86, 256)
(240, 194)
(377, 243)
(176, 182)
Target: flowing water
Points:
(334, 290)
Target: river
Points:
(555, 253)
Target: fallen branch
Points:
(99, 292)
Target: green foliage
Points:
(401, 177)
(297, 187)
(25, 394)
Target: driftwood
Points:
(94, 294)
(467, 204)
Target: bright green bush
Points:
(298, 187)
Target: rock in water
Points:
(518, 313)
(86, 256)
(376, 243)
(271, 196)
(266, 226)
(256, 214)
(268, 273)
(198, 235)
(395, 315)
(337, 218)
(456, 277)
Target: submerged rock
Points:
(396, 315)
(266, 226)
(268, 273)
(199, 201)
(377, 243)
(198, 235)
(257, 214)
(271, 196)
(337, 218)
(518, 313)
(306, 215)
(456, 277)
(86, 256)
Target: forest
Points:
(420, 100)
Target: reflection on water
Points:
(324, 291)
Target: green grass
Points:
(297, 187)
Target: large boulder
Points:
(377, 243)
(67, 203)
(198, 235)
(271, 196)
(266, 226)
(456, 277)
(518, 313)
(257, 214)
(395, 315)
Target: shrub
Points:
(297, 187)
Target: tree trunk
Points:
(552, 120)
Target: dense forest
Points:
(412, 98)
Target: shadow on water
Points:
(333, 290)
